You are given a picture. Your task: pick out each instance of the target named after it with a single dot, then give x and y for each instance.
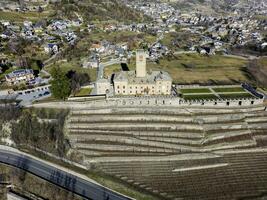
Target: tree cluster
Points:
(43, 133)
(60, 85)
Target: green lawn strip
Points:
(236, 95)
(83, 92)
(229, 89)
(195, 90)
(200, 97)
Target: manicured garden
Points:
(195, 90)
(229, 89)
(236, 95)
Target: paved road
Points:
(77, 185)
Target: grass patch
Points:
(84, 92)
(236, 96)
(19, 17)
(195, 90)
(109, 70)
(200, 97)
(197, 69)
(229, 89)
(194, 68)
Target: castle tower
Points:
(140, 63)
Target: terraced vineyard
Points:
(187, 153)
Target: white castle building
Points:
(140, 82)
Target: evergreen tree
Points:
(60, 85)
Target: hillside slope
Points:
(176, 153)
(214, 5)
(98, 10)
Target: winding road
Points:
(58, 176)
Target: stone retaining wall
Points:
(176, 101)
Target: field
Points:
(229, 89)
(236, 95)
(84, 92)
(195, 90)
(19, 17)
(222, 92)
(258, 71)
(194, 68)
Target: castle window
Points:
(118, 87)
(131, 92)
(124, 91)
(124, 87)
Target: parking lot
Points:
(31, 95)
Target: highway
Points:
(84, 188)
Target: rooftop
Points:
(20, 72)
(150, 78)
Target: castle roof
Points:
(150, 78)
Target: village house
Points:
(51, 48)
(93, 62)
(19, 76)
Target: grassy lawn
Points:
(194, 68)
(236, 96)
(199, 97)
(195, 90)
(229, 89)
(19, 17)
(84, 92)
(108, 71)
